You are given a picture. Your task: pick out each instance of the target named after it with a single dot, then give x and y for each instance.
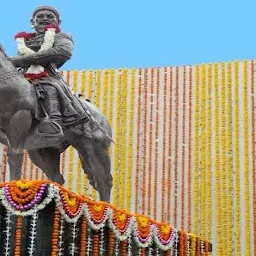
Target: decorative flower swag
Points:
(36, 71)
(27, 198)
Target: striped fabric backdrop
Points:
(185, 149)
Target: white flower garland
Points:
(102, 249)
(117, 243)
(72, 246)
(8, 233)
(49, 38)
(31, 247)
(129, 239)
(89, 243)
(61, 233)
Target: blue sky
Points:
(140, 33)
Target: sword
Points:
(98, 125)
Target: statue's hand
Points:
(17, 61)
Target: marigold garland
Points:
(246, 160)
(138, 148)
(203, 150)
(111, 242)
(96, 239)
(124, 138)
(121, 220)
(176, 155)
(189, 150)
(124, 246)
(198, 247)
(70, 167)
(150, 142)
(230, 160)
(144, 140)
(206, 248)
(209, 170)
(196, 159)
(83, 237)
(143, 226)
(118, 131)
(170, 160)
(183, 96)
(163, 192)
(55, 233)
(130, 141)
(142, 252)
(237, 111)
(253, 148)
(17, 251)
(223, 160)
(24, 166)
(4, 164)
(156, 149)
(217, 156)
(105, 91)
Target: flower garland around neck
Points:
(36, 71)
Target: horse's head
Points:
(5, 63)
(15, 90)
(8, 71)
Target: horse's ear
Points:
(2, 50)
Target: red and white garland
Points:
(36, 71)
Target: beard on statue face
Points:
(44, 18)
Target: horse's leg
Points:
(15, 161)
(18, 127)
(48, 160)
(95, 155)
(88, 172)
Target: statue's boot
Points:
(52, 124)
(49, 132)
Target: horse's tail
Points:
(19, 125)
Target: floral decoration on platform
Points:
(27, 198)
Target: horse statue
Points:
(18, 130)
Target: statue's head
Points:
(43, 16)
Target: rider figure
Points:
(40, 54)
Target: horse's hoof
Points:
(105, 197)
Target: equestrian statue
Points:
(39, 112)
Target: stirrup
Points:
(55, 126)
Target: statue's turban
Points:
(49, 8)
